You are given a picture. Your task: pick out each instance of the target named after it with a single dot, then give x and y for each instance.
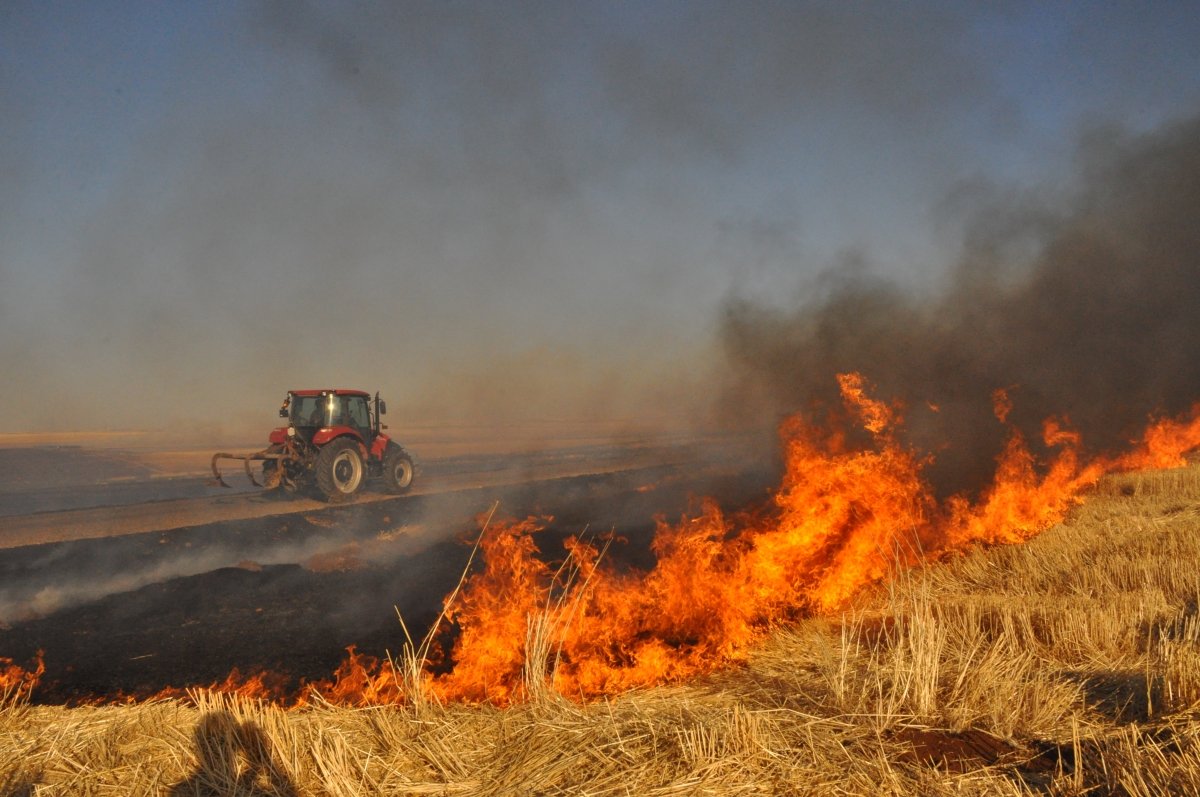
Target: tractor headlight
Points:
(291, 431)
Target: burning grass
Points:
(846, 516)
(1068, 665)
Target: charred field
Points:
(125, 617)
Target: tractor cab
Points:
(309, 411)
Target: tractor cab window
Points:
(310, 410)
(356, 407)
(338, 416)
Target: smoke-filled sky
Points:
(505, 212)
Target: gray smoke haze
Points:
(496, 212)
(1089, 312)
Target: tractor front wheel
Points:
(339, 470)
(397, 469)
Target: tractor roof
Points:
(337, 391)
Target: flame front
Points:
(845, 516)
(17, 682)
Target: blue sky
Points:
(499, 212)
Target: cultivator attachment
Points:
(272, 476)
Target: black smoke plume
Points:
(1098, 322)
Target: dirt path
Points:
(154, 513)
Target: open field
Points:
(146, 501)
(69, 471)
(1069, 665)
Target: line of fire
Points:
(853, 506)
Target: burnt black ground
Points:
(291, 593)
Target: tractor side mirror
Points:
(383, 408)
(283, 412)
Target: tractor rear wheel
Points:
(339, 470)
(397, 469)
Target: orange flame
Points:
(359, 679)
(843, 518)
(1164, 443)
(17, 683)
(876, 416)
(264, 685)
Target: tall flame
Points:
(844, 517)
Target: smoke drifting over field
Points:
(1087, 311)
(500, 212)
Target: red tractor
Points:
(334, 441)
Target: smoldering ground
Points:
(138, 613)
(40, 580)
(1081, 305)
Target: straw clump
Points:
(1066, 666)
